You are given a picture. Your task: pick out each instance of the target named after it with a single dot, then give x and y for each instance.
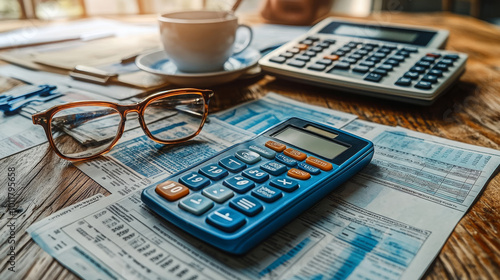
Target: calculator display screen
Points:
(377, 33)
(310, 142)
(381, 33)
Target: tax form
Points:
(387, 222)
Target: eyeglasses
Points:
(86, 129)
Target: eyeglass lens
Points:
(176, 117)
(86, 131)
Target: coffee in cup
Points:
(201, 41)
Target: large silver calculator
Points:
(388, 61)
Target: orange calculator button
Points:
(302, 47)
(321, 164)
(331, 57)
(171, 190)
(298, 174)
(278, 147)
(295, 154)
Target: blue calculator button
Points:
(308, 168)
(286, 160)
(232, 164)
(218, 193)
(226, 219)
(194, 181)
(247, 156)
(214, 172)
(265, 152)
(286, 184)
(196, 204)
(274, 168)
(246, 205)
(239, 184)
(267, 194)
(256, 175)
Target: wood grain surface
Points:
(469, 113)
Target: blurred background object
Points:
(301, 11)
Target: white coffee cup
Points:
(201, 41)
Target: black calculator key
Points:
(410, 49)
(323, 45)
(194, 181)
(267, 193)
(446, 61)
(390, 46)
(274, 168)
(232, 164)
(361, 52)
(218, 193)
(451, 56)
(316, 49)
(247, 156)
(348, 60)
(412, 75)
(355, 56)
(372, 45)
(310, 53)
(361, 69)
(380, 54)
(435, 72)
(423, 85)
(226, 219)
(329, 41)
(424, 64)
(325, 61)
(387, 67)
(309, 168)
(403, 82)
(317, 67)
(339, 53)
(342, 66)
(374, 59)
(441, 66)
(214, 172)
(345, 49)
(367, 48)
(284, 184)
(399, 58)
(246, 205)
(239, 184)
(403, 53)
(287, 55)
(263, 151)
(196, 204)
(430, 78)
(417, 69)
(392, 62)
(256, 175)
(385, 50)
(297, 63)
(367, 63)
(278, 59)
(430, 59)
(306, 42)
(312, 38)
(373, 77)
(303, 58)
(379, 71)
(352, 44)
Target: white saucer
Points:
(158, 63)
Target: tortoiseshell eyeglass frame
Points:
(44, 118)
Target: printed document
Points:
(387, 222)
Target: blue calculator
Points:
(242, 195)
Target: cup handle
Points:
(238, 48)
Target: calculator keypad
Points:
(239, 186)
(370, 61)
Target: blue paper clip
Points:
(13, 100)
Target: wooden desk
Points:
(469, 113)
